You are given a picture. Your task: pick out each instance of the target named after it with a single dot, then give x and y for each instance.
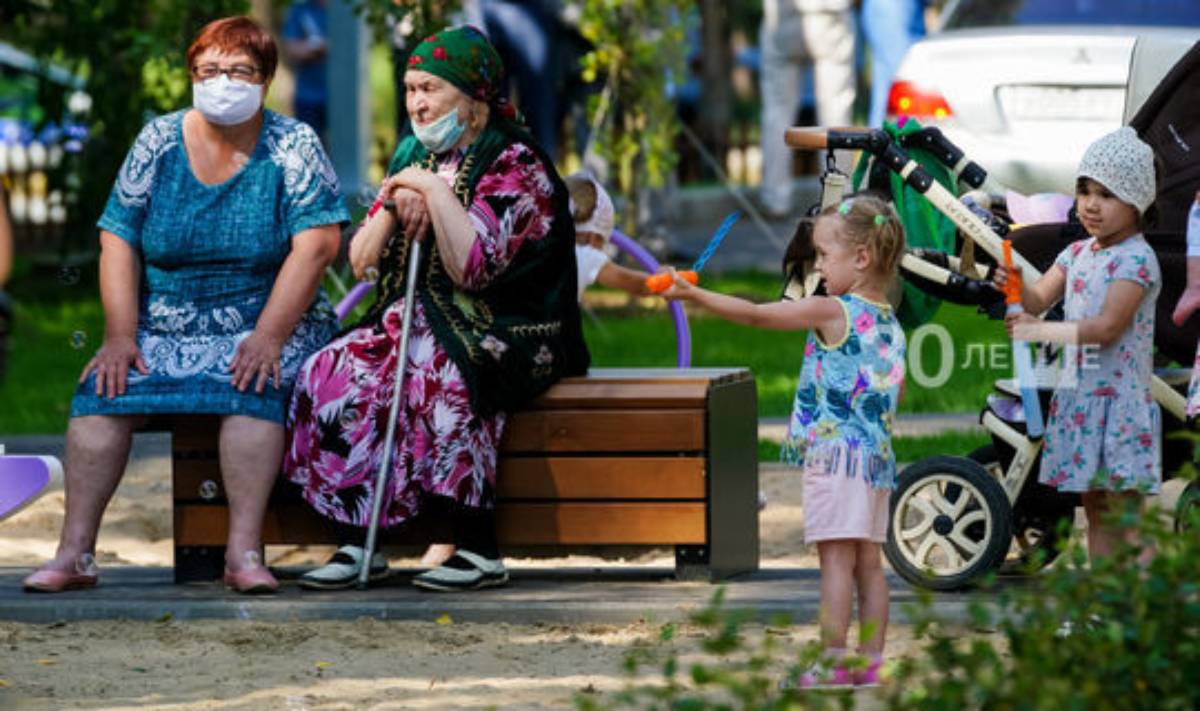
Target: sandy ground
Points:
(315, 665)
(326, 665)
(364, 664)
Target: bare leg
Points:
(1103, 535)
(872, 598)
(437, 553)
(251, 454)
(97, 451)
(837, 590)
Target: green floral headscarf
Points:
(463, 57)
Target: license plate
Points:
(1062, 103)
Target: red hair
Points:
(236, 34)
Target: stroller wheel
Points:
(950, 523)
(1187, 511)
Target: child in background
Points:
(592, 210)
(1189, 300)
(1102, 434)
(841, 424)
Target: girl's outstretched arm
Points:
(631, 281)
(824, 314)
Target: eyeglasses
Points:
(242, 72)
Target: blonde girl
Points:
(840, 430)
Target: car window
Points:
(987, 13)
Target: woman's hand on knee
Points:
(257, 360)
(111, 365)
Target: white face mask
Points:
(440, 135)
(226, 102)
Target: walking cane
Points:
(381, 477)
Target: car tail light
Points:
(909, 99)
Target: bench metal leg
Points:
(691, 563)
(199, 563)
(732, 480)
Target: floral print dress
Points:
(339, 411)
(1103, 428)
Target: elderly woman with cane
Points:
(494, 322)
(212, 248)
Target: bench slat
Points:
(530, 478)
(601, 478)
(518, 524)
(605, 431)
(559, 430)
(590, 394)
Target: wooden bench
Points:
(645, 457)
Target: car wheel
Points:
(950, 523)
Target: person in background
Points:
(890, 28)
(305, 47)
(529, 36)
(795, 33)
(6, 241)
(592, 211)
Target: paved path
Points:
(610, 596)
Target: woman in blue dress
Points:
(213, 244)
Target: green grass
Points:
(44, 363)
(45, 356)
(908, 449)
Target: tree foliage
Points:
(130, 55)
(639, 54)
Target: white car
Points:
(1023, 87)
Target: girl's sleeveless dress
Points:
(841, 424)
(1103, 429)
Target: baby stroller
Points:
(955, 519)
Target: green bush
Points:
(1103, 635)
(1109, 635)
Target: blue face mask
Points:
(440, 135)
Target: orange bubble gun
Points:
(658, 283)
(1012, 288)
(1024, 366)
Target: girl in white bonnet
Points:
(592, 210)
(1102, 438)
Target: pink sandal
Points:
(51, 580)
(253, 579)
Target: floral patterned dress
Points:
(841, 423)
(1103, 428)
(209, 256)
(339, 411)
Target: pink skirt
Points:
(838, 507)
